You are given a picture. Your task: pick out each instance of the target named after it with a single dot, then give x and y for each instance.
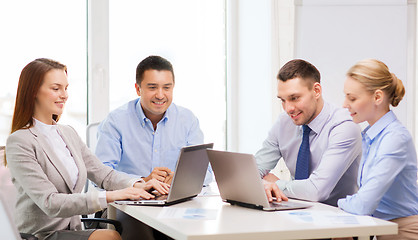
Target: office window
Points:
(191, 35)
(49, 29)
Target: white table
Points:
(234, 222)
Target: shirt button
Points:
(155, 150)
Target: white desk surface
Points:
(234, 222)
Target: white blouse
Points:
(64, 155)
(60, 148)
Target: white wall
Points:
(334, 35)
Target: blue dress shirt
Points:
(335, 146)
(387, 174)
(127, 141)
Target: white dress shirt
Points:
(335, 146)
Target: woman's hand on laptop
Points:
(161, 187)
(272, 190)
(131, 193)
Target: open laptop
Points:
(187, 181)
(239, 182)
(8, 227)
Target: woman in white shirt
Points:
(50, 163)
(387, 176)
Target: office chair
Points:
(8, 228)
(91, 141)
(95, 222)
(7, 189)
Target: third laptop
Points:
(239, 182)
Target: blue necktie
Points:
(304, 156)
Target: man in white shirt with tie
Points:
(319, 142)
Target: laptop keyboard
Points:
(286, 205)
(276, 204)
(159, 196)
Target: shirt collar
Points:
(372, 131)
(44, 128)
(143, 119)
(318, 123)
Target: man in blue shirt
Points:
(144, 136)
